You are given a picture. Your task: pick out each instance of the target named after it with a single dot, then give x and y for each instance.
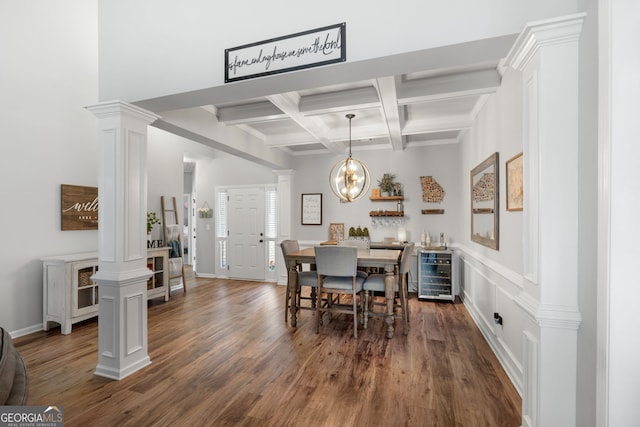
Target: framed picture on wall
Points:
(311, 209)
(336, 232)
(515, 188)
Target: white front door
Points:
(246, 248)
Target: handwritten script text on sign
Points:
(284, 54)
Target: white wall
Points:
(491, 279)
(498, 127)
(49, 72)
(619, 342)
(165, 174)
(188, 53)
(587, 222)
(441, 162)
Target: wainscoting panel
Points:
(488, 289)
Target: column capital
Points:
(117, 108)
(539, 34)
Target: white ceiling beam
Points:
(450, 86)
(340, 101)
(288, 103)
(254, 112)
(387, 90)
(416, 127)
(199, 125)
(252, 131)
(281, 140)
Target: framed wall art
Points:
(515, 186)
(336, 232)
(311, 209)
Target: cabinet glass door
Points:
(85, 294)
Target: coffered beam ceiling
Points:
(419, 98)
(394, 107)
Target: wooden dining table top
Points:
(365, 256)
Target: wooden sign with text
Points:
(79, 207)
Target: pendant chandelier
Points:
(349, 178)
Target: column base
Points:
(122, 326)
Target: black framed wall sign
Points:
(312, 48)
(311, 211)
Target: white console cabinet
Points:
(70, 296)
(158, 263)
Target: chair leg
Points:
(318, 312)
(313, 297)
(405, 287)
(355, 316)
(286, 303)
(365, 310)
(403, 305)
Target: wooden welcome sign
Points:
(79, 207)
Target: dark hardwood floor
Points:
(222, 356)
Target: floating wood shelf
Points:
(386, 213)
(432, 211)
(386, 199)
(483, 211)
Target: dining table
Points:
(386, 259)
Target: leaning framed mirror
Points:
(484, 203)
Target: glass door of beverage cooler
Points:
(435, 275)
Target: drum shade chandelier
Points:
(349, 178)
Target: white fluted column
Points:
(122, 250)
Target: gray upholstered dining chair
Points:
(375, 283)
(360, 244)
(305, 278)
(337, 274)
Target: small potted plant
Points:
(386, 184)
(152, 219)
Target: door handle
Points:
(261, 240)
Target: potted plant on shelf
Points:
(152, 219)
(386, 184)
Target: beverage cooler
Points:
(437, 270)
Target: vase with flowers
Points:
(205, 211)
